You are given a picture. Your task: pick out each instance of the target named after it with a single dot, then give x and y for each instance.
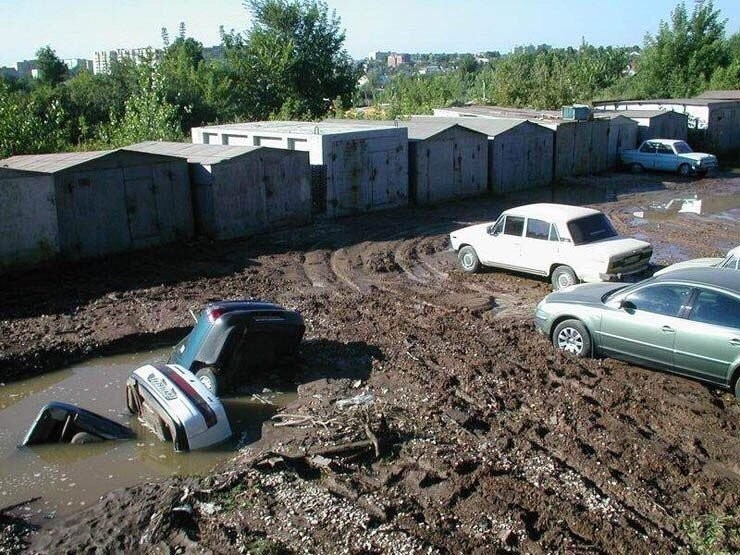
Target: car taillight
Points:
(214, 314)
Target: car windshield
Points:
(682, 148)
(590, 229)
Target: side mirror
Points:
(624, 304)
(491, 230)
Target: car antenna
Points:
(190, 310)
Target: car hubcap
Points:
(467, 261)
(570, 341)
(564, 281)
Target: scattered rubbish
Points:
(361, 399)
(64, 423)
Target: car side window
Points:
(648, 147)
(715, 308)
(660, 299)
(664, 149)
(537, 229)
(554, 236)
(514, 226)
(731, 262)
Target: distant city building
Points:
(396, 60)
(378, 56)
(78, 64)
(28, 68)
(8, 73)
(103, 59)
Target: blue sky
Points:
(76, 28)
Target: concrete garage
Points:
(446, 161)
(105, 202)
(241, 190)
(520, 153)
(354, 168)
(623, 134)
(29, 230)
(718, 118)
(581, 147)
(655, 124)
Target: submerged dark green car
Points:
(685, 321)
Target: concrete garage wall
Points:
(134, 205)
(520, 158)
(28, 220)
(581, 147)
(366, 172)
(355, 168)
(240, 190)
(264, 189)
(449, 165)
(623, 134)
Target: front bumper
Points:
(542, 321)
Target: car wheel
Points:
(636, 168)
(468, 259)
(562, 277)
(737, 387)
(684, 170)
(208, 379)
(572, 337)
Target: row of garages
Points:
(239, 179)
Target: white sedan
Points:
(568, 244)
(732, 261)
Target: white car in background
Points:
(732, 261)
(569, 244)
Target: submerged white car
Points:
(732, 261)
(177, 406)
(569, 244)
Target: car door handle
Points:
(735, 342)
(668, 329)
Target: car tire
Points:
(572, 337)
(684, 170)
(737, 387)
(563, 276)
(636, 168)
(468, 260)
(208, 378)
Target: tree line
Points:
(291, 64)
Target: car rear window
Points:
(590, 229)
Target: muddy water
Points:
(69, 477)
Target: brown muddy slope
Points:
(488, 439)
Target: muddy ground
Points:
(476, 436)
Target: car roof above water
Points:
(248, 305)
(724, 278)
(551, 212)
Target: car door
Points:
(503, 248)
(537, 250)
(647, 155)
(665, 158)
(708, 341)
(642, 327)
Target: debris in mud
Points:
(383, 263)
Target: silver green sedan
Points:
(686, 321)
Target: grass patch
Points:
(713, 534)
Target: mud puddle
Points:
(725, 207)
(67, 477)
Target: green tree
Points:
(292, 61)
(52, 70)
(147, 115)
(681, 58)
(22, 130)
